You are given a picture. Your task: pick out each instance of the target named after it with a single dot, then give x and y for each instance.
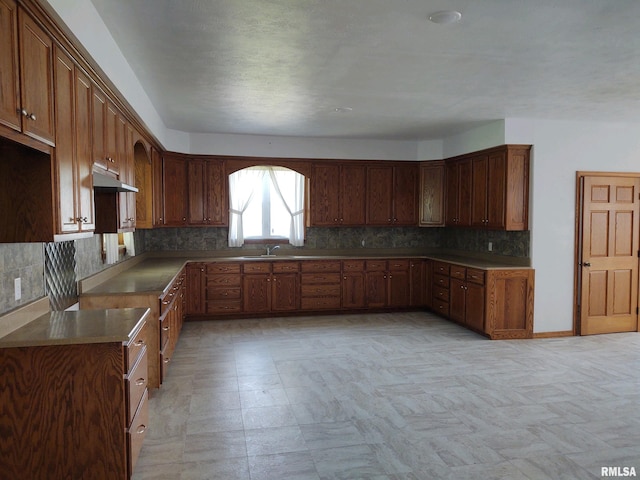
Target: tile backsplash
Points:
(26, 260)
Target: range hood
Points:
(103, 181)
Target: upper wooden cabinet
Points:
(432, 194)
(157, 187)
(74, 186)
(105, 137)
(175, 188)
(501, 189)
(489, 189)
(338, 194)
(392, 194)
(458, 188)
(207, 192)
(26, 75)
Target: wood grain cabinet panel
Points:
(73, 411)
(175, 188)
(9, 67)
(392, 194)
(338, 194)
(432, 188)
(36, 75)
(207, 191)
(489, 189)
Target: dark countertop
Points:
(76, 327)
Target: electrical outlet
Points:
(17, 288)
(491, 246)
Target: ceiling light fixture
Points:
(343, 109)
(445, 17)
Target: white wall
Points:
(560, 149)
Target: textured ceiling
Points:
(283, 67)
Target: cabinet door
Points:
(325, 195)
(197, 191)
(464, 192)
(457, 300)
(112, 142)
(195, 289)
(399, 288)
(432, 194)
(405, 198)
(376, 289)
(174, 179)
(217, 201)
(353, 290)
(417, 283)
(480, 174)
(284, 292)
(256, 291)
(474, 313)
(451, 178)
(99, 108)
(353, 198)
(496, 189)
(379, 195)
(36, 74)
(9, 78)
(68, 216)
(157, 187)
(84, 161)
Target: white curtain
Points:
(242, 185)
(293, 200)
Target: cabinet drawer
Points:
(137, 431)
(320, 303)
(317, 278)
(456, 271)
(399, 264)
(136, 385)
(257, 267)
(321, 290)
(440, 280)
(441, 294)
(166, 301)
(223, 280)
(441, 308)
(441, 268)
(320, 266)
(282, 267)
(221, 307)
(135, 346)
(376, 265)
(353, 265)
(221, 293)
(476, 276)
(213, 268)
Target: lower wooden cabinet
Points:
(495, 302)
(76, 410)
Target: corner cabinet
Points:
(489, 189)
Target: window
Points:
(266, 203)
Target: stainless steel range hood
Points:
(103, 181)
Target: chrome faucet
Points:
(271, 249)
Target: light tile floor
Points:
(390, 396)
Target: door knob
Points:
(586, 264)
